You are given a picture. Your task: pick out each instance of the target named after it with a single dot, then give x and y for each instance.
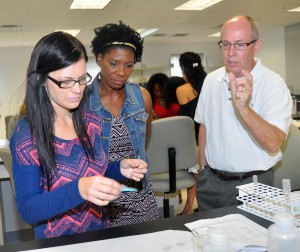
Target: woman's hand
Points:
(99, 190)
(133, 168)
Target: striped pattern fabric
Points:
(130, 207)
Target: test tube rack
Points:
(265, 201)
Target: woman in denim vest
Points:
(125, 110)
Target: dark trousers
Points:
(212, 192)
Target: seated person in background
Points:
(188, 94)
(162, 107)
(14, 120)
(59, 165)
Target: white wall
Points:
(14, 61)
(273, 51)
(13, 66)
(292, 40)
(158, 56)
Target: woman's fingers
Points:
(99, 190)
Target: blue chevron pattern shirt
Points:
(54, 206)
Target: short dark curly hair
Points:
(117, 35)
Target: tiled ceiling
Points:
(40, 17)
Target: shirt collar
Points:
(255, 71)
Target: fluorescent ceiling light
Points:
(197, 4)
(89, 4)
(146, 32)
(295, 10)
(218, 34)
(11, 27)
(73, 32)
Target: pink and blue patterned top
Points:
(53, 203)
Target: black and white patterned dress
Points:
(130, 207)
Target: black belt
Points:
(228, 176)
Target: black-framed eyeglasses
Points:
(70, 83)
(238, 46)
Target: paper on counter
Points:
(240, 230)
(163, 241)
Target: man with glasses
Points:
(244, 111)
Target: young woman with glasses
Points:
(61, 173)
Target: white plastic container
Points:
(283, 235)
(218, 241)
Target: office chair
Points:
(288, 167)
(7, 160)
(6, 120)
(171, 150)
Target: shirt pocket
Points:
(141, 119)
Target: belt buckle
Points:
(219, 174)
(231, 177)
(223, 175)
(228, 177)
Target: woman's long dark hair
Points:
(53, 52)
(191, 65)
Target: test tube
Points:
(255, 180)
(286, 188)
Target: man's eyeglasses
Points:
(70, 83)
(238, 46)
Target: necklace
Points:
(162, 101)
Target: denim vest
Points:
(132, 112)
